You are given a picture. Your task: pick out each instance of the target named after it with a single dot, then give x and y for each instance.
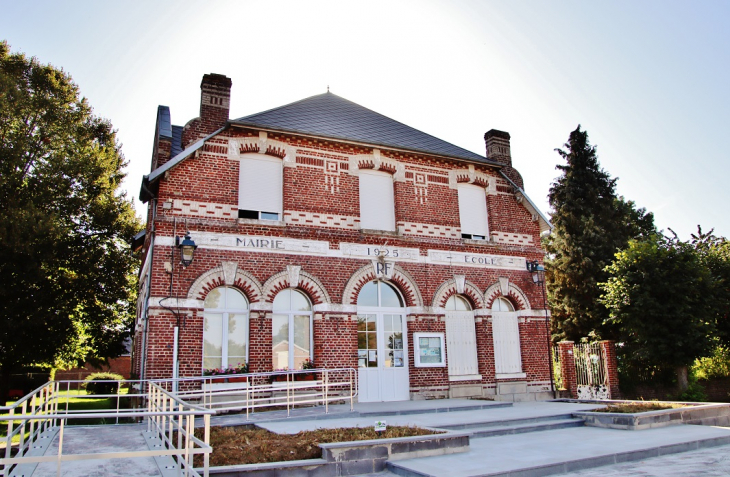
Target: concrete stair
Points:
(518, 426)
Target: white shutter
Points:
(473, 210)
(260, 184)
(377, 209)
(506, 332)
(461, 343)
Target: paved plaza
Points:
(586, 451)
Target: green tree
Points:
(68, 272)
(714, 252)
(590, 224)
(659, 296)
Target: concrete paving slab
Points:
(98, 439)
(526, 410)
(526, 454)
(713, 462)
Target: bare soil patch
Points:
(631, 408)
(242, 445)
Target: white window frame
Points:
(262, 197)
(290, 315)
(473, 213)
(225, 312)
(417, 350)
(377, 200)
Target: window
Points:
(225, 328)
(457, 303)
(428, 350)
(473, 212)
(506, 333)
(260, 188)
(461, 339)
(377, 209)
(291, 327)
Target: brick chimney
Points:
(215, 103)
(498, 150)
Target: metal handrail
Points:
(261, 391)
(165, 413)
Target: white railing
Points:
(278, 389)
(38, 417)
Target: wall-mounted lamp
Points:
(537, 271)
(187, 249)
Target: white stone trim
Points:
(427, 230)
(511, 238)
(469, 377)
(175, 302)
(510, 375)
(310, 219)
(204, 209)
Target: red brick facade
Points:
(321, 209)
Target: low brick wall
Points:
(704, 414)
(121, 365)
(355, 458)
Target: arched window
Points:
(457, 303)
(291, 329)
(379, 293)
(225, 328)
(461, 339)
(506, 333)
(502, 304)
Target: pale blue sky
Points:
(648, 80)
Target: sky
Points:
(649, 80)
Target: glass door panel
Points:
(367, 341)
(393, 325)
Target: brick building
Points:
(330, 232)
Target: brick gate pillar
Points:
(608, 349)
(567, 367)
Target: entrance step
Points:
(560, 451)
(518, 426)
(490, 431)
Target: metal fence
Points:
(38, 418)
(169, 407)
(281, 389)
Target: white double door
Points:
(382, 356)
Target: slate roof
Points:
(176, 147)
(331, 116)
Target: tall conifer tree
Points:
(590, 224)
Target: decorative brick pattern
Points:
(513, 239)
(321, 205)
(202, 209)
(292, 217)
(428, 230)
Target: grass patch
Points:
(75, 400)
(243, 445)
(634, 407)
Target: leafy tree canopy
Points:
(660, 295)
(590, 224)
(68, 273)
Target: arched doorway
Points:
(506, 333)
(382, 350)
(461, 339)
